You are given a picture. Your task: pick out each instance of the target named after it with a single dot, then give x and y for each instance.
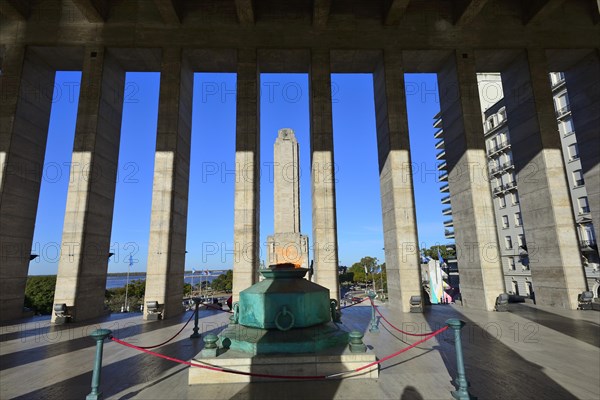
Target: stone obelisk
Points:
(287, 244)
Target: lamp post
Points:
(126, 306)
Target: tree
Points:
(446, 252)
(223, 282)
(358, 269)
(39, 293)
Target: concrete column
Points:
(481, 279)
(168, 222)
(83, 262)
(26, 84)
(247, 174)
(583, 87)
(323, 174)
(395, 176)
(550, 231)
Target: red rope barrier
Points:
(313, 377)
(394, 327)
(415, 344)
(173, 337)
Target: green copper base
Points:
(269, 341)
(284, 301)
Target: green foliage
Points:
(115, 298)
(223, 282)
(347, 277)
(375, 272)
(39, 293)
(446, 252)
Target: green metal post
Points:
(98, 335)
(463, 392)
(374, 327)
(196, 335)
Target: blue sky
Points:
(284, 103)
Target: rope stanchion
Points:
(394, 327)
(296, 377)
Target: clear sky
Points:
(284, 104)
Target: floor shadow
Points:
(586, 331)
(117, 377)
(411, 393)
(493, 370)
(59, 342)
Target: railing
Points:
(447, 211)
(501, 168)
(442, 166)
(439, 144)
(444, 177)
(448, 234)
(560, 81)
(587, 243)
(568, 133)
(446, 200)
(495, 128)
(563, 111)
(440, 155)
(448, 223)
(438, 133)
(499, 147)
(444, 188)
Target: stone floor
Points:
(529, 352)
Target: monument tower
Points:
(287, 244)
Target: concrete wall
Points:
(26, 86)
(545, 205)
(395, 175)
(83, 264)
(168, 222)
(481, 279)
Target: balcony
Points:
(440, 155)
(568, 133)
(444, 177)
(579, 182)
(588, 245)
(449, 223)
(559, 82)
(448, 234)
(440, 144)
(437, 123)
(499, 147)
(447, 211)
(438, 134)
(582, 210)
(445, 189)
(446, 200)
(442, 166)
(561, 112)
(497, 190)
(510, 185)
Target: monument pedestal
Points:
(324, 363)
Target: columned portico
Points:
(402, 258)
(168, 224)
(83, 262)
(26, 96)
(481, 279)
(247, 174)
(548, 220)
(323, 174)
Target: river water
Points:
(113, 282)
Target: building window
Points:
(511, 263)
(518, 220)
(565, 127)
(507, 242)
(562, 103)
(573, 152)
(584, 207)
(505, 221)
(501, 201)
(502, 114)
(521, 238)
(515, 198)
(578, 178)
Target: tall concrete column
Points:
(583, 87)
(395, 177)
(83, 264)
(481, 279)
(247, 174)
(323, 174)
(26, 86)
(550, 230)
(168, 222)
